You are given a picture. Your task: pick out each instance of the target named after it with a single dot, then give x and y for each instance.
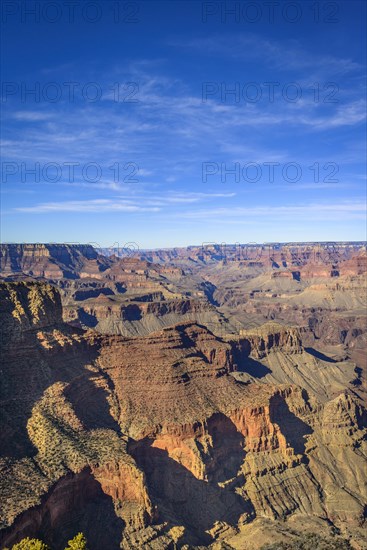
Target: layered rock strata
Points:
(156, 438)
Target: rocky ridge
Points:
(158, 438)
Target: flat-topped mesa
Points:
(136, 273)
(51, 261)
(143, 265)
(27, 306)
(357, 265)
(104, 307)
(291, 254)
(270, 337)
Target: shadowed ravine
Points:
(151, 442)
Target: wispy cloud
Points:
(334, 211)
(32, 116)
(170, 131)
(95, 206)
(195, 197)
(148, 202)
(287, 55)
(161, 142)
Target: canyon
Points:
(186, 398)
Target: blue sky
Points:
(282, 158)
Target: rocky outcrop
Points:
(50, 261)
(269, 337)
(72, 496)
(28, 306)
(357, 265)
(138, 317)
(152, 442)
(58, 433)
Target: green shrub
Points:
(310, 541)
(79, 542)
(30, 544)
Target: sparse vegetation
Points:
(59, 433)
(30, 544)
(310, 541)
(79, 542)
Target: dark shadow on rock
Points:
(254, 368)
(181, 498)
(120, 288)
(28, 370)
(76, 503)
(87, 319)
(227, 453)
(241, 353)
(358, 380)
(209, 290)
(320, 355)
(131, 312)
(361, 418)
(69, 275)
(90, 403)
(292, 427)
(81, 295)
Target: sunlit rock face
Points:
(176, 437)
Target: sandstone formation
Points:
(227, 288)
(177, 439)
(51, 261)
